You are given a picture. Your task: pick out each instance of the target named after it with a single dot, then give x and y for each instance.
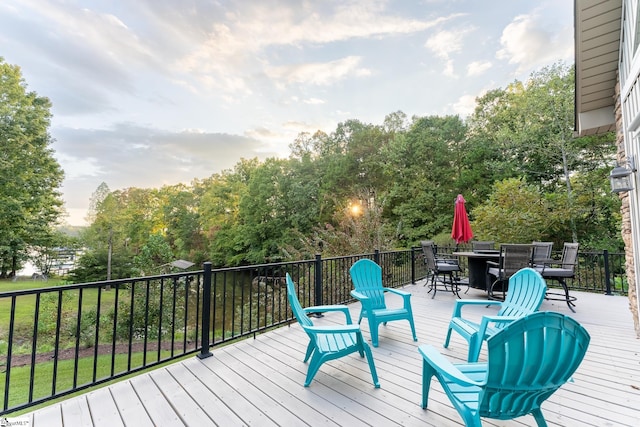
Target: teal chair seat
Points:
(527, 290)
(366, 276)
(528, 360)
(328, 342)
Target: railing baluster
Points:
(77, 349)
(34, 347)
(146, 323)
(96, 344)
(56, 347)
(131, 329)
(114, 334)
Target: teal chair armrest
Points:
(442, 366)
(358, 295)
(482, 333)
(458, 304)
(397, 292)
(500, 319)
(364, 300)
(484, 324)
(332, 329)
(486, 320)
(327, 308)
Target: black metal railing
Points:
(596, 271)
(60, 340)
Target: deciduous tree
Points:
(30, 176)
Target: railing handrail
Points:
(172, 315)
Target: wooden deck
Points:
(259, 381)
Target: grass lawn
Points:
(8, 285)
(25, 308)
(43, 376)
(21, 378)
(25, 305)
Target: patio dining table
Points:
(477, 265)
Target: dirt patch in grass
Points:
(103, 349)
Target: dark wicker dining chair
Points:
(513, 257)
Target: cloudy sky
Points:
(153, 92)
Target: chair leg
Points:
(413, 327)
(491, 293)
(537, 414)
(361, 344)
(475, 344)
(433, 285)
(566, 294)
(372, 366)
(454, 285)
(373, 330)
(446, 340)
(314, 366)
(310, 349)
(427, 373)
(561, 296)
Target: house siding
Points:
(628, 143)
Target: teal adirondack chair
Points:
(366, 276)
(528, 361)
(328, 342)
(526, 292)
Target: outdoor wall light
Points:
(622, 176)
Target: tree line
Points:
(367, 186)
(384, 186)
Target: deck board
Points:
(154, 402)
(131, 409)
(259, 381)
(103, 409)
(188, 410)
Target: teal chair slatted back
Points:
(296, 308)
(527, 290)
(366, 277)
(526, 293)
(528, 361)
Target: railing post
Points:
(413, 265)
(607, 273)
(318, 281)
(206, 311)
(376, 256)
(317, 290)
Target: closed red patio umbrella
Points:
(461, 230)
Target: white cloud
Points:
(445, 43)
(246, 36)
(448, 69)
(465, 105)
(318, 73)
(476, 68)
(77, 167)
(528, 44)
